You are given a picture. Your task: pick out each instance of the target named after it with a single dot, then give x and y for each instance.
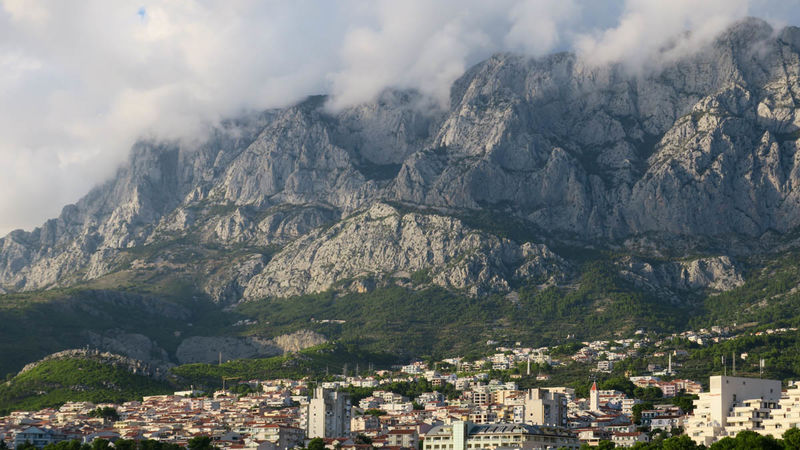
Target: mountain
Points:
(681, 180)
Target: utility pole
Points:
(220, 358)
(724, 367)
(733, 356)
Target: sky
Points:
(81, 81)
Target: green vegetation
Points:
(407, 389)
(312, 362)
(107, 413)
(52, 383)
(434, 322)
(65, 318)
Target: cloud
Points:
(81, 81)
(646, 27)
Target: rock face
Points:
(704, 146)
(200, 349)
(718, 273)
(132, 345)
(382, 241)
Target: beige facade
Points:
(467, 435)
(732, 404)
(545, 407)
(786, 416)
(328, 414)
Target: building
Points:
(328, 414)
(403, 438)
(39, 437)
(605, 366)
(467, 435)
(732, 404)
(545, 407)
(786, 416)
(283, 437)
(594, 397)
(629, 439)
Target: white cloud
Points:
(646, 27)
(80, 81)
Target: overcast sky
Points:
(80, 81)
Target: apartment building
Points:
(545, 407)
(732, 404)
(328, 414)
(467, 435)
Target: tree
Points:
(316, 444)
(100, 444)
(679, 443)
(636, 411)
(375, 412)
(649, 393)
(685, 402)
(107, 413)
(26, 446)
(74, 444)
(747, 440)
(791, 439)
(125, 444)
(605, 445)
(200, 443)
(362, 439)
(621, 384)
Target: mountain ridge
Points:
(682, 179)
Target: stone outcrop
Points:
(383, 241)
(703, 146)
(717, 273)
(208, 349)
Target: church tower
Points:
(594, 397)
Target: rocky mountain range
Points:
(684, 168)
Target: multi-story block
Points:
(733, 404)
(466, 435)
(545, 407)
(328, 414)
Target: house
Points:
(629, 439)
(37, 436)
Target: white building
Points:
(467, 435)
(328, 414)
(545, 407)
(786, 416)
(732, 404)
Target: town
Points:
(447, 404)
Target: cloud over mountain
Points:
(81, 82)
